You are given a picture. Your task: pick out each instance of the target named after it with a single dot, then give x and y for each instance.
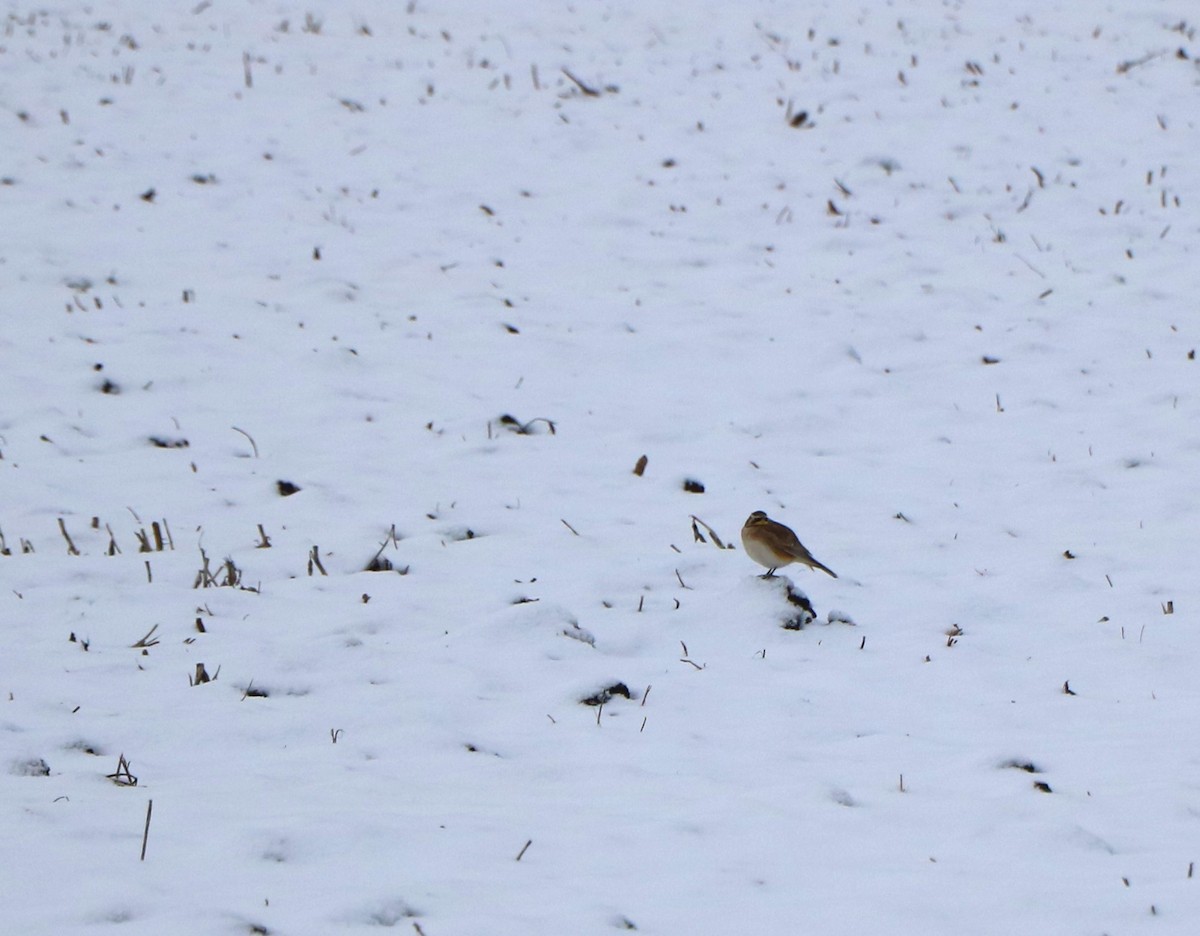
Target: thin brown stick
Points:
(589, 91)
(247, 435)
(147, 641)
(71, 550)
(146, 830)
(699, 537)
(1138, 62)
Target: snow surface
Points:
(773, 247)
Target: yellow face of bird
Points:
(758, 518)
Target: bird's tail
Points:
(823, 568)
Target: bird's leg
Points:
(770, 573)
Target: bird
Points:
(773, 545)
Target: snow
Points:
(943, 326)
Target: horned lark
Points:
(773, 545)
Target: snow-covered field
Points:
(919, 279)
